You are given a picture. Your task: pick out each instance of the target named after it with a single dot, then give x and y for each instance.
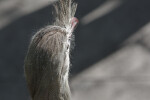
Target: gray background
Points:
(111, 60)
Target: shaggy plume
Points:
(47, 61)
(64, 11)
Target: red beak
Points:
(74, 23)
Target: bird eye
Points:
(67, 47)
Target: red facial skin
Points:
(74, 22)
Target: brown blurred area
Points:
(111, 60)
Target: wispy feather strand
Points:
(64, 11)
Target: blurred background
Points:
(111, 60)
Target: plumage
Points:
(47, 61)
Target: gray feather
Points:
(47, 61)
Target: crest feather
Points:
(64, 11)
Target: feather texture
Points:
(64, 11)
(47, 61)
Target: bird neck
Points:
(53, 83)
(47, 66)
(53, 90)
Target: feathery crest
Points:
(64, 11)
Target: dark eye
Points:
(69, 39)
(67, 47)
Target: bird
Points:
(47, 62)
